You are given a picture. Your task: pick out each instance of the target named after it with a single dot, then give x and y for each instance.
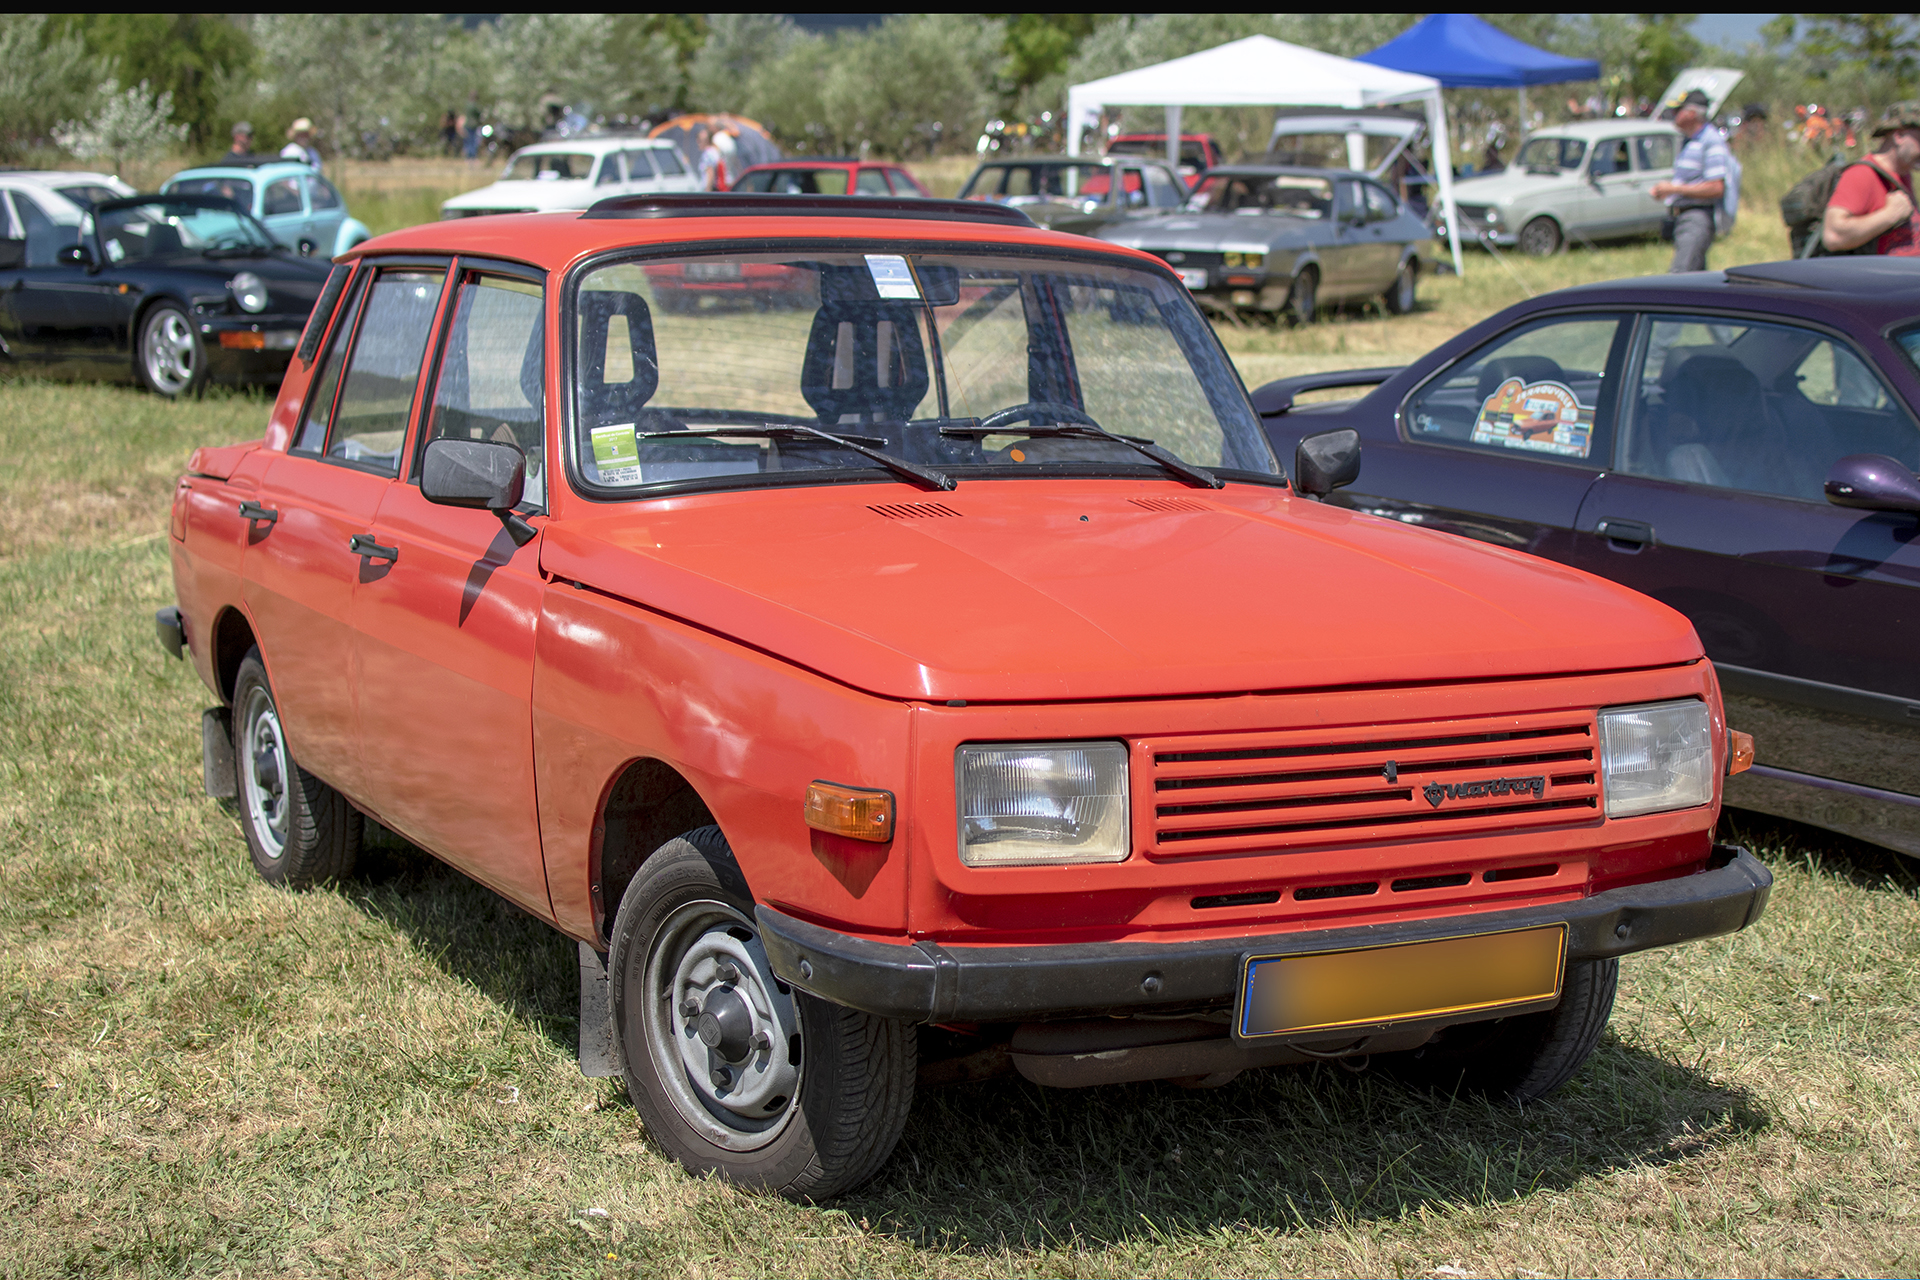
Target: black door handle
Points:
(251, 511)
(1625, 535)
(362, 544)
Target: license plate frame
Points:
(1292, 995)
(1195, 278)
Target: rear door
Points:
(283, 210)
(1613, 201)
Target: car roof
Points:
(557, 240)
(1281, 171)
(795, 161)
(1062, 161)
(54, 177)
(601, 142)
(1587, 130)
(249, 172)
(1849, 292)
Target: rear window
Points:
(796, 182)
(1294, 195)
(238, 190)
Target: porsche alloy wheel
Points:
(1540, 238)
(172, 361)
(732, 1071)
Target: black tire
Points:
(811, 1110)
(168, 355)
(1517, 1059)
(300, 831)
(1540, 238)
(1403, 294)
(1303, 300)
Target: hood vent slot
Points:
(913, 510)
(1169, 504)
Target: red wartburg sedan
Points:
(931, 653)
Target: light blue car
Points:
(298, 207)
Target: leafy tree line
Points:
(913, 84)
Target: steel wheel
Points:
(1540, 237)
(170, 355)
(264, 770)
(1401, 297)
(1303, 301)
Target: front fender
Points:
(352, 232)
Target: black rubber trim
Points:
(733, 204)
(1821, 697)
(171, 630)
(928, 982)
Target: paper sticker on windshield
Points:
(892, 277)
(616, 453)
(1545, 417)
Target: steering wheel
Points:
(1035, 409)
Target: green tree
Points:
(190, 57)
(46, 75)
(126, 124)
(1880, 44)
(721, 72)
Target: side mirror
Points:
(13, 253)
(486, 475)
(1326, 461)
(1873, 482)
(74, 255)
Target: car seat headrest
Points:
(864, 357)
(604, 401)
(1528, 369)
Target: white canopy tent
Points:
(1260, 71)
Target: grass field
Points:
(200, 1075)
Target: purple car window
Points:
(1537, 391)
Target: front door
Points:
(445, 633)
(1612, 201)
(283, 210)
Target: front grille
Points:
(1189, 257)
(1248, 793)
(1473, 212)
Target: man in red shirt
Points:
(1878, 205)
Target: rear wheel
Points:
(300, 831)
(171, 360)
(1521, 1058)
(732, 1071)
(1400, 297)
(1303, 302)
(1540, 237)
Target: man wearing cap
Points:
(301, 146)
(1699, 182)
(242, 140)
(1873, 201)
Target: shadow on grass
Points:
(1782, 841)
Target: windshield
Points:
(89, 194)
(1026, 183)
(1552, 153)
(549, 166)
(237, 190)
(1289, 194)
(977, 364)
(161, 227)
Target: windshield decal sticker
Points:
(892, 277)
(1545, 417)
(616, 453)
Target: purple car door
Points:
(1810, 611)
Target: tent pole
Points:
(1173, 136)
(1443, 170)
(1522, 133)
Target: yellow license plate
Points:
(1379, 986)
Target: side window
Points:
(871, 182)
(313, 426)
(492, 376)
(376, 394)
(1163, 192)
(1380, 205)
(322, 193)
(1134, 187)
(1763, 408)
(1539, 390)
(611, 174)
(1655, 151)
(902, 184)
(44, 236)
(1014, 182)
(668, 161)
(1610, 157)
(281, 197)
(9, 225)
(640, 164)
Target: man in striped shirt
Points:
(1699, 182)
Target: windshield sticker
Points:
(892, 277)
(1545, 417)
(616, 453)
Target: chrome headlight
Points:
(1656, 757)
(250, 291)
(1029, 803)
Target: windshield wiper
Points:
(861, 445)
(1197, 476)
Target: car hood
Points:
(1214, 231)
(1029, 590)
(1512, 184)
(528, 195)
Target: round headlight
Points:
(250, 291)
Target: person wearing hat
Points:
(242, 140)
(1699, 182)
(1873, 201)
(300, 147)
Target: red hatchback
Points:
(939, 645)
(829, 176)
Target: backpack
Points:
(1804, 208)
(1729, 209)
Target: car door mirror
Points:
(484, 475)
(1873, 482)
(13, 253)
(74, 255)
(1325, 461)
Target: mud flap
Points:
(599, 1049)
(216, 753)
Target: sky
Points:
(1735, 29)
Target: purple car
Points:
(1740, 445)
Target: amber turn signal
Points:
(855, 812)
(1740, 752)
(244, 341)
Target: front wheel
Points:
(732, 1071)
(300, 831)
(1303, 301)
(1400, 296)
(1540, 238)
(171, 360)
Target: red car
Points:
(949, 651)
(1198, 151)
(829, 176)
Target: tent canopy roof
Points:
(1258, 71)
(1461, 51)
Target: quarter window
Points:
(1763, 408)
(871, 183)
(1380, 205)
(1163, 192)
(491, 384)
(281, 197)
(376, 396)
(668, 161)
(639, 166)
(1540, 391)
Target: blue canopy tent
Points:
(1463, 52)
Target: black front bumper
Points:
(926, 982)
